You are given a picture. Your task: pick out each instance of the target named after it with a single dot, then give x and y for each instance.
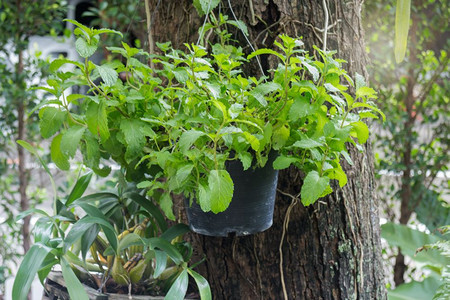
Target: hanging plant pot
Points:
(250, 210)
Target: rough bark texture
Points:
(332, 249)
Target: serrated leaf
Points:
(59, 158)
(252, 140)
(180, 177)
(338, 174)
(246, 159)
(221, 189)
(266, 51)
(263, 89)
(280, 136)
(97, 120)
(108, 74)
(70, 140)
(235, 109)
(283, 162)
(85, 49)
(331, 88)
(300, 108)
(362, 131)
(134, 137)
(204, 197)
(205, 6)
(311, 69)
(51, 121)
(313, 187)
(166, 203)
(360, 81)
(307, 143)
(365, 91)
(188, 138)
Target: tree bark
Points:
(331, 250)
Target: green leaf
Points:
(204, 197)
(402, 16)
(372, 107)
(409, 240)
(338, 174)
(280, 136)
(263, 89)
(313, 187)
(85, 49)
(97, 120)
(107, 30)
(57, 63)
(128, 240)
(307, 143)
(415, 290)
(178, 289)
(175, 231)
(71, 139)
(221, 189)
(167, 247)
(188, 138)
(180, 177)
(300, 108)
(84, 224)
(150, 208)
(73, 284)
(51, 120)
(28, 269)
(311, 69)
(252, 140)
(362, 131)
(205, 6)
(366, 91)
(283, 162)
(166, 203)
(59, 158)
(79, 188)
(134, 137)
(266, 51)
(83, 28)
(108, 74)
(202, 284)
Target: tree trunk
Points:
(331, 250)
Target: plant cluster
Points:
(178, 124)
(116, 242)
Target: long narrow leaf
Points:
(73, 284)
(202, 284)
(178, 289)
(79, 188)
(402, 15)
(28, 269)
(175, 231)
(150, 208)
(167, 247)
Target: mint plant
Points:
(174, 127)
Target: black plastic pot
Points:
(251, 209)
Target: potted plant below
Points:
(177, 127)
(108, 246)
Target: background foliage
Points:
(412, 145)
